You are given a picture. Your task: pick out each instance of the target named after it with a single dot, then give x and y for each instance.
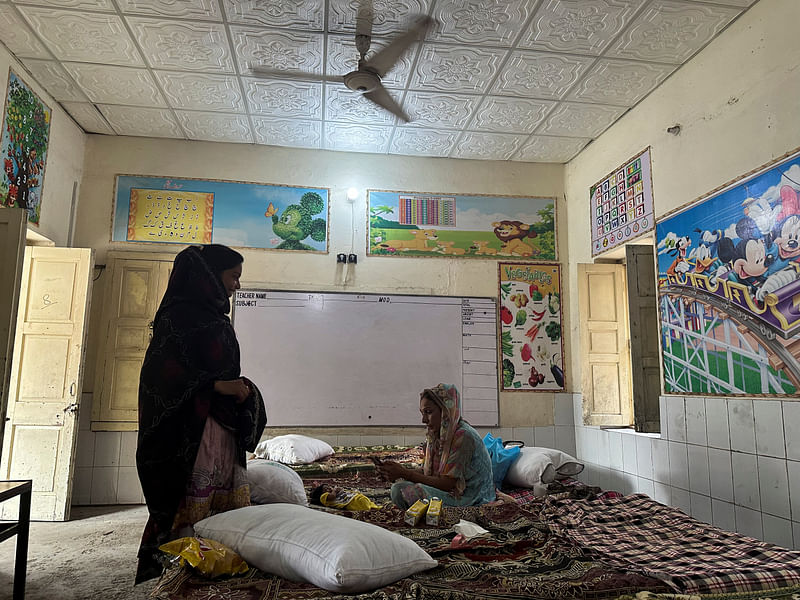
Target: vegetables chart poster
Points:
(532, 350)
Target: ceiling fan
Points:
(366, 79)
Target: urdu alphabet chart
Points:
(166, 216)
(622, 204)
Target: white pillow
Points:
(536, 466)
(330, 551)
(293, 449)
(272, 482)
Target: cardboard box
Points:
(416, 512)
(434, 511)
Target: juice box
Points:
(416, 512)
(434, 511)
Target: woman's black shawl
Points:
(193, 345)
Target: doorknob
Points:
(72, 389)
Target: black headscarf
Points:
(193, 346)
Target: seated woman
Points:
(457, 466)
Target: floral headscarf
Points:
(437, 451)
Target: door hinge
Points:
(72, 408)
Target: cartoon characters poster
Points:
(729, 283)
(25, 137)
(622, 204)
(531, 352)
(461, 226)
(200, 211)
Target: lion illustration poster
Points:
(25, 137)
(461, 226)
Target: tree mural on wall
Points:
(26, 129)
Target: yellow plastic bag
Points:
(208, 557)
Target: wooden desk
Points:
(9, 489)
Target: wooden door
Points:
(645, 352)
(605, 355)
(46, 377)
(12, 245)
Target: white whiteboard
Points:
(362, 359)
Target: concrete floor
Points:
(90, 557)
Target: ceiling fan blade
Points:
(382, 98)
(385, 58)
(281, 74)
(364, 17)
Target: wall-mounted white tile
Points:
(601, 448)
(127, 449)
(698, 469)
(392, 440)
(773, 483)
(106, 448)
(701, 507)
(720, 474)
(748, 522)
(565, 439)
(742, 425)
(577, 409)
(84, 455)
(129, 490)
(349, 440)
(371, 440)
(791, 428)
(676, 418)
(796, 534)
(523, 434)
(768, 418)
(680, 500)
(777, 531)
(724, 515)
(562, 409)
(82, 486)
(629, 458)
(662, 493)
(644, 456)
(719, 435)
(663, 418)
(104, 485)
(630, 483)
(696, 421)
(645, 486)
(678, 465)
(545, 437)
(793, 468)
(745, 480)
(659, 450)
(615, 450)
(413, 439)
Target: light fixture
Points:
(352, 194)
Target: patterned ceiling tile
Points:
(288, 132)
(357, 138)
(88, 117)
(282, 50)
(742, 3)
(342, 104)
(540, 148)
(580, 120)
(423, 142)
(116, 85)
(389, 16)
(343, 58)
(671, 32)
(215, 127)
(295, 14)
(183, 45)
(439, 111)
(510, 114)
(184, 9)
(52, 77)
(291, 99)
(455, 69)
(99, 5)
(490, 22)
(201, 91)
(621, 83)
(148, 122)
(539, 75)
(578, 26)
(487, 146)
(18, 37)
(84, 37)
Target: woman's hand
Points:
(233, 387)
(391, 470)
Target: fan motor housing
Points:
(362, 81)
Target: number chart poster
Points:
(461, 226)
(201, 211)
(25, 138)
(622, 204)
(532, 349)
(729, 284)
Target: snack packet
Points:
(208, 557)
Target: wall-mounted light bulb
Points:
(352, 194)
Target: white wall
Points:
(64, 157)
(732, 462)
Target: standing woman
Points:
(197, 415)
(457, 468)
